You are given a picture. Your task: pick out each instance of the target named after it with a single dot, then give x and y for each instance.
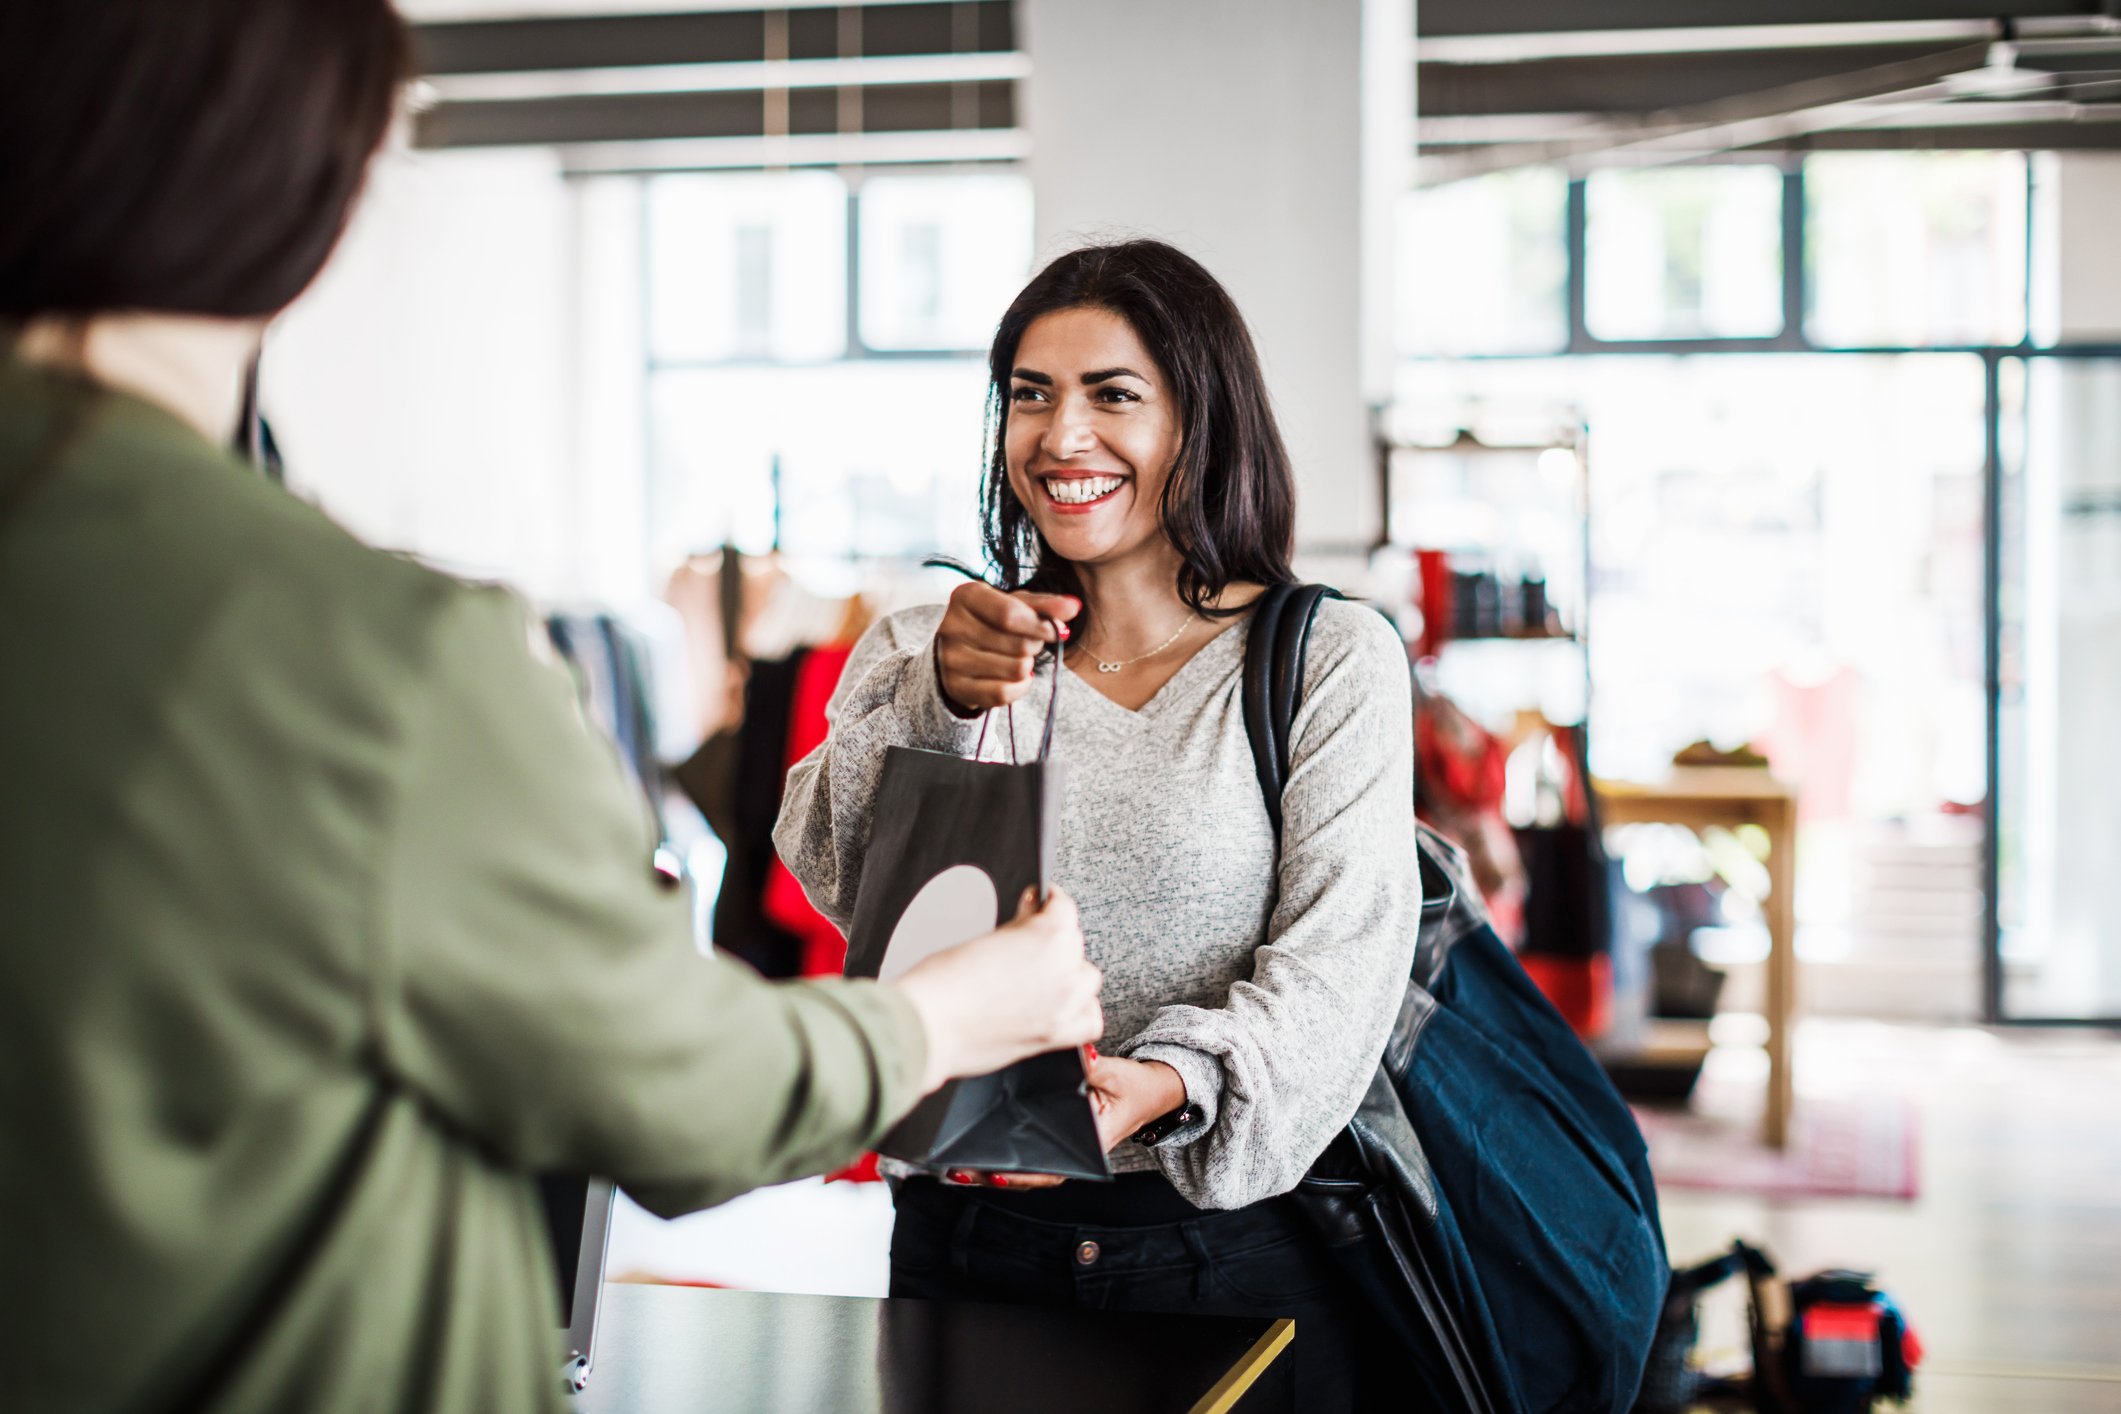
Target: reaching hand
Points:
(1125, 1094)
(988, 640)
(1020, 991)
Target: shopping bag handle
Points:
(1045, 740)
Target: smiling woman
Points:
(1130, 361)
(331, 929)
(1102, 425)
(1138, 501)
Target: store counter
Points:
(667, 1347)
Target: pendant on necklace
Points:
(1105, 667)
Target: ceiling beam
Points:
(960, 148)
(720, 75)
(1745, 120)
(2003, 137)
(1618, 97)
(706, 78)
(712, 37)
(1439, 18)
(648, 117)
(1638, 83)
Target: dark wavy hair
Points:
(1229, 504)
(184, 156)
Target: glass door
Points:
(2058, 707)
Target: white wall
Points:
(2077, 271)
(1234, 129)
(607, 374)
(421, 390)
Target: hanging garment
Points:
(609, 660)
(783, 902)
(697, 589)
(751, 758)
(1460, 772)
(1568, 934)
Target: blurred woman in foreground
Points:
(328, 923)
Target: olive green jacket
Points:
(324, 921)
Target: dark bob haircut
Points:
(1229, 504)
(184, 156)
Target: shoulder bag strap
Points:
(1385, 1143)
(1275, 646)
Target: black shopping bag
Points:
(954, 845)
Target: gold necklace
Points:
(1105, 667)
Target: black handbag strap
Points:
(1273, 688)
(1275, 648)
(1379, 1139)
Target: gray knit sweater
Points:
(1273, 1004)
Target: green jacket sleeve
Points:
(543, 994)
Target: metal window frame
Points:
(1796, 339)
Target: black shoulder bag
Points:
(1491, 1195)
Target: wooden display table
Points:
(1700, 796)
(665, 1348)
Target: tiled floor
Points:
(2009, 1263)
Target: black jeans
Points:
(959, 1244)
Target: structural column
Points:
(1270, 141)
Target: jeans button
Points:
(1086, 1254)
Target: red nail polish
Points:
(958, 1176)
(1091, 1051)
(1001, 1181)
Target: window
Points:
(941, 257)
(1915, 248)
(1786, 550)
(836, 461)
(1485, 265)
(1788, 537)
(754, 291)
(747, 267)
(1685, 253)
(769, 428)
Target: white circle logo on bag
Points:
(954, 907)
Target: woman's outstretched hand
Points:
(988, 640)
(1020, 991)
(1127, 1094)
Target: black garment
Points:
(735, 779)
(963, 1244)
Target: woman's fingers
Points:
(1059, 607)
(1003, 613)
(980, 662)
(1020, 615)
(980, 696)
(976, 661)
(988, 642)
(970, 632)
(977, 685)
